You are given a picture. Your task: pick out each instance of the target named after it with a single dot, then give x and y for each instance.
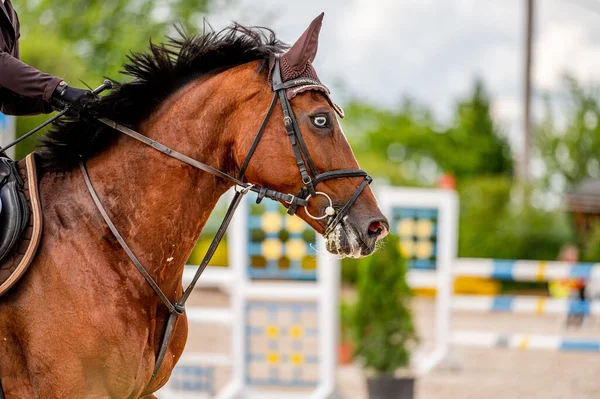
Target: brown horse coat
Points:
(83, 322)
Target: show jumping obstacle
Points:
(425, 224)
(525, 304)
(524, 270)
(283, 332)
(255, 255)
(523, 341)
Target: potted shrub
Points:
(382, 324)
(346, 347)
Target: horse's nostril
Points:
(377, 228)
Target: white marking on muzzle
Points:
(334, 240)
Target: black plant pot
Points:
(390, 387)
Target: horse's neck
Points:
(159, 204)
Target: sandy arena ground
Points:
(468, 372)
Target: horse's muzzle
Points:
(354, 240)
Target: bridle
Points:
(301, 153)
(310, 178)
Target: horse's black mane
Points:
(156, 74)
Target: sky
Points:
(382, 51)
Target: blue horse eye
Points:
(320, 121)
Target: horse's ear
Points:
(305, 48)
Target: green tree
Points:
(394, 144)
(408, 146)
(102, 33)
(570, 148)
(493, 225)
(476, 144)
(591, 251)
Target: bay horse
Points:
(83, 322)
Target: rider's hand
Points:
(78, 100)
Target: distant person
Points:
(569, 253)
(576, 315)
(23, 89)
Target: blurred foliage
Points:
(346, 315)
(407, 146)
(102, 33)
(393, 144)
(349, 270)
(476, 144)
(87, 40)
(381, 325)
(494, 224)
(568, 140)
(591, 252)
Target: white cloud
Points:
(432, 50)
(565, 46)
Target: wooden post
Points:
(523, 170)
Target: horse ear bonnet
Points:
(296, 63)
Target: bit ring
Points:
(329, 211)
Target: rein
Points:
(310, 180)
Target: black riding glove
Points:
(79, 100)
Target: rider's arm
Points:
(25, 81)
(15, 104)
(25, 90)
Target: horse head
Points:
(304, 150)
(207, 96)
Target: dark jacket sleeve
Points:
(27, 81)
(15, 104)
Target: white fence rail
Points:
(525, 270)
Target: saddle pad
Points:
(14, 266)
